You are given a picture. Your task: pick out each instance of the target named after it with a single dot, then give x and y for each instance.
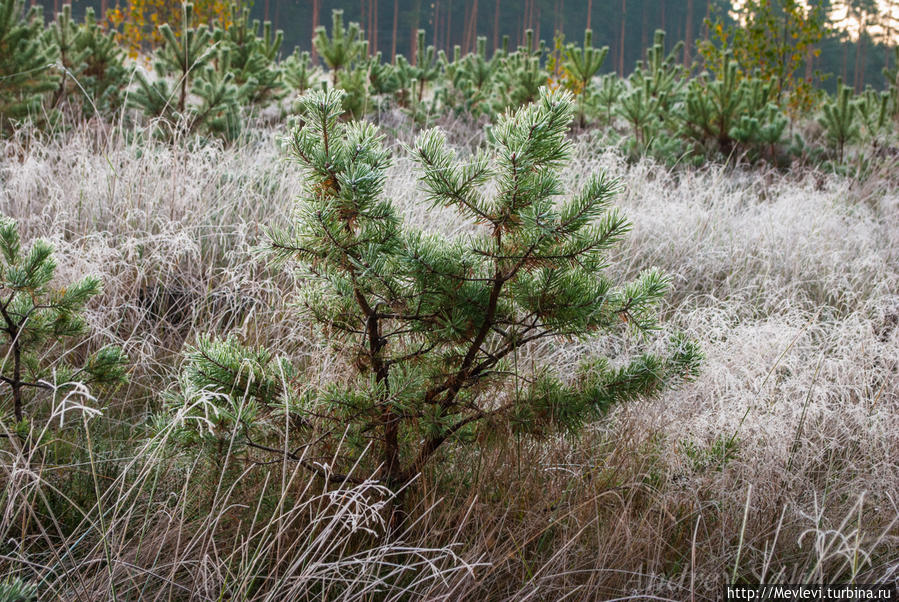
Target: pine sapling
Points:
(298, 71)
(36, 318)
(431, 325)
(252, 56)
(583, 64)
(94, 64)
(839, 119)
(345, 45)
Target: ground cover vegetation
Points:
(484, 325)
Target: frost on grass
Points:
(788, 280)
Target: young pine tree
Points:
(345, 46)
(35, 318)
(839, 118)
(95, 76)
(582, 64)
(251, 57)
(188, 91)
(433, 325)
(26, 63)
(521, 73)
(469, 81)
(298, 71)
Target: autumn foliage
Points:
(137, 21)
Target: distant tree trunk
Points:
(809, 63)
(662, 7)
(536, 16)
(265, 11)
(589, 12)
(396, 14)
(496, 26)
(889, 35)
(644, 29)
(370, 30)
(857, 76)
(449, 25)
(520, 30)
(890, 42)
(562, 15)
(315, 7)
(375, 25)
(688, 33)
(104, 6)
(621, 38)
(473, 39)
(845, 59)
(706, 20)
(413, 44)
(556, 16)
(466, 20)
(471, 33)
(436, 24)
(522, 23)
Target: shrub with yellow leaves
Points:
(137, 21)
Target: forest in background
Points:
(625, 26)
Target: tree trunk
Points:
(705, 21)
(17, 378)
(436, 38)
(845, 59)
(856, 76)
(466, 21)
(315, 6)
(561, 15)
(449, 26)
(396, 14)
(374, 19)
(473, 27)
(644, 30)
(496, 26)
(621, 38)
(688, 34)
(589, 12)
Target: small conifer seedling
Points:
(35, 319)
(432, 326)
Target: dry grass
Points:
(778, 464)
